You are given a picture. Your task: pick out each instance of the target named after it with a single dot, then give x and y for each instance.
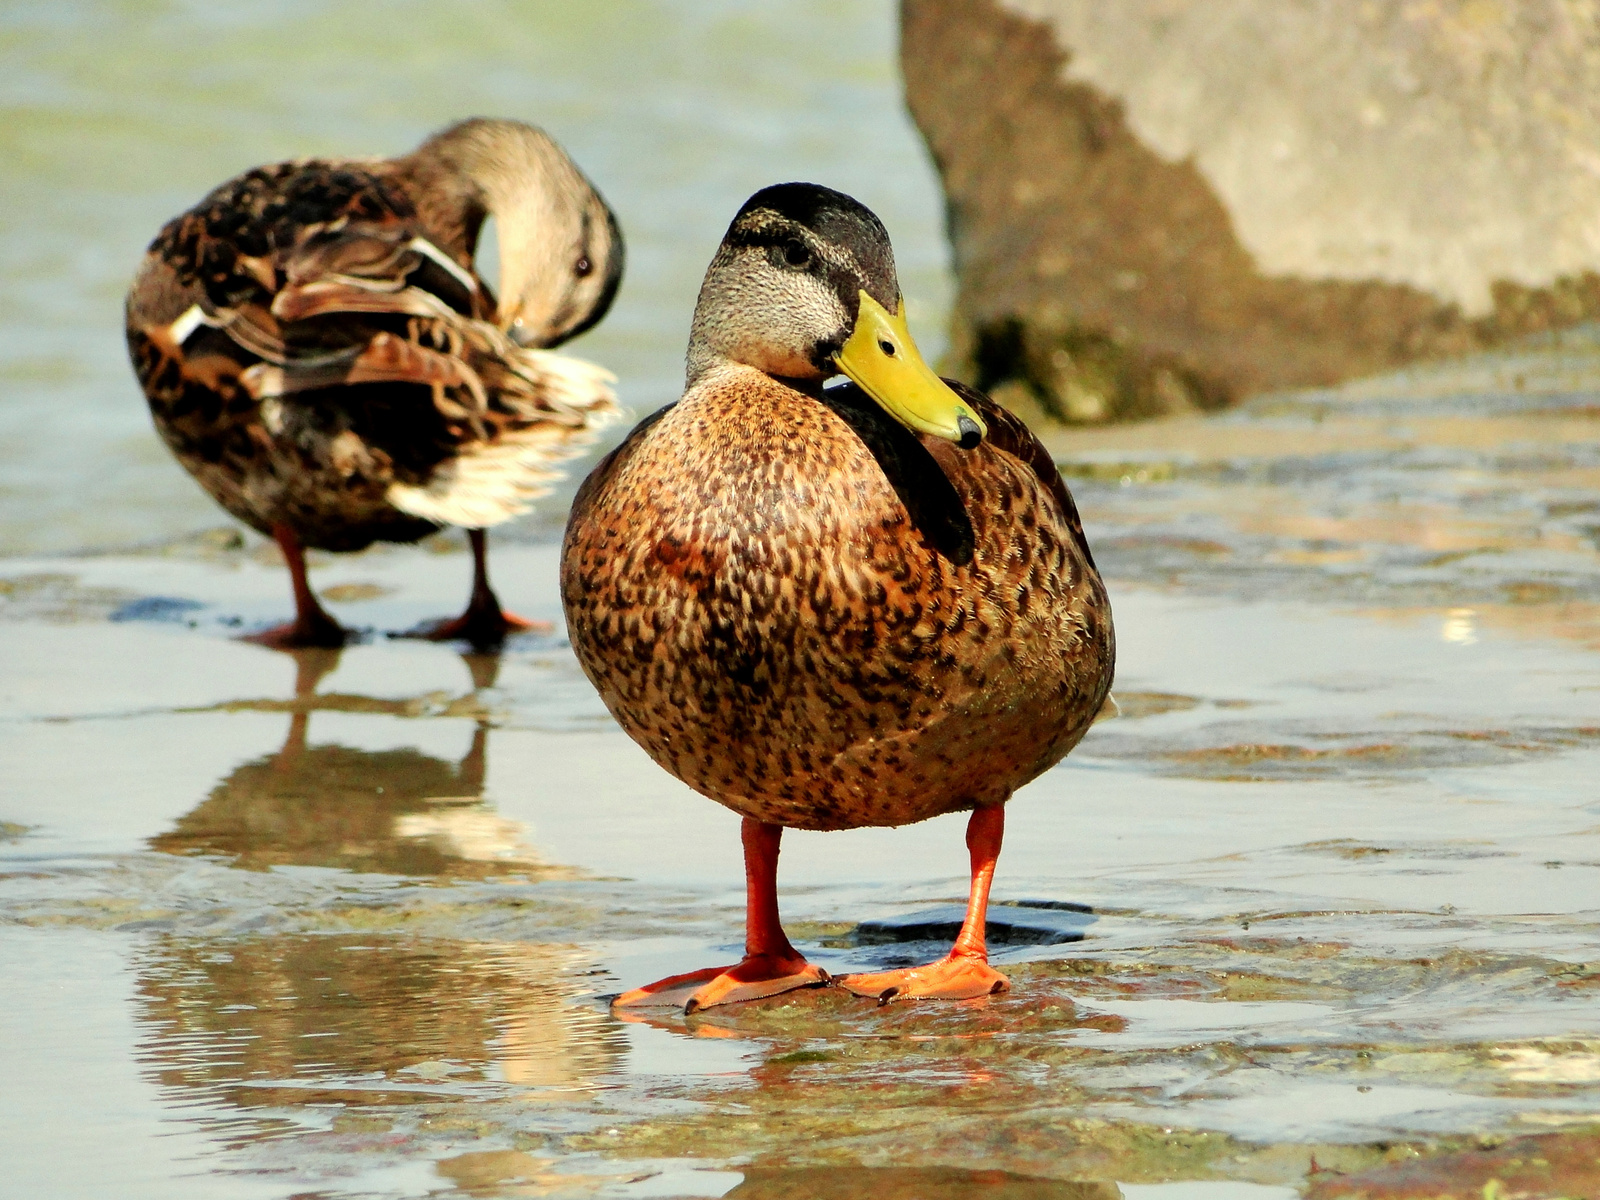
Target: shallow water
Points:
(342, 925)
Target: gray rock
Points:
(1158, 206)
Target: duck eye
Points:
(887, 347)
(796, 254)
(582, 267)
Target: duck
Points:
(833, 606)
(320, 353)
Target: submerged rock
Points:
(911, 1183)
(1161, 206)
(1551, 1164)
(1025, 923)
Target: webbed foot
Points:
(755, 977)
(950, 978)
(482, 627)
(315, 629)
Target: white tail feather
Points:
(492, 481)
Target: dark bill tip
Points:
(971, 435)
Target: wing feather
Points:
(351, 295)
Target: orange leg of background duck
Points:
(312, 626)
(964, 972)
(484, 623)
(770, 964)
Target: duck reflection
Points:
(910, 1183)
(276, 1020)
(369, 1014)
(396, 811)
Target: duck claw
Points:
(950, 978)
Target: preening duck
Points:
(320, 354)
(832, 607)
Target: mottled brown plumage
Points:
(814, 617)
(808, 612)
(319, 353)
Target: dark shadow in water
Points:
(910, 1183)
(396, 811)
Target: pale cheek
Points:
(780, 360)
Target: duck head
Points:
(561, 251)
(804, 287)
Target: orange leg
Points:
(964, 972)
(770, 964)
(312, 626)
(485, 623)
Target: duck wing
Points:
(924, 470)
(311, 292)
(1010, 433)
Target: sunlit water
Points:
(343, 924)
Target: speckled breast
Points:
(808, 615)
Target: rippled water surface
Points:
(343, 924)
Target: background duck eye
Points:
(796, 254)
(582, 267)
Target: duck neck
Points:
(723, 336)
(709, 369)
(704, 363)
(504, 170)
(522, 228)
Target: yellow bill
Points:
(881, 357)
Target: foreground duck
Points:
(320, 354)
(825, 608)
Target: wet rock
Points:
(910, 1183)
(1554, 1164)
(145, 925)
(1157, 208)
(218, 542)
(56, 596)
(1133, 705)
(156, 608)
(1031, 923)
